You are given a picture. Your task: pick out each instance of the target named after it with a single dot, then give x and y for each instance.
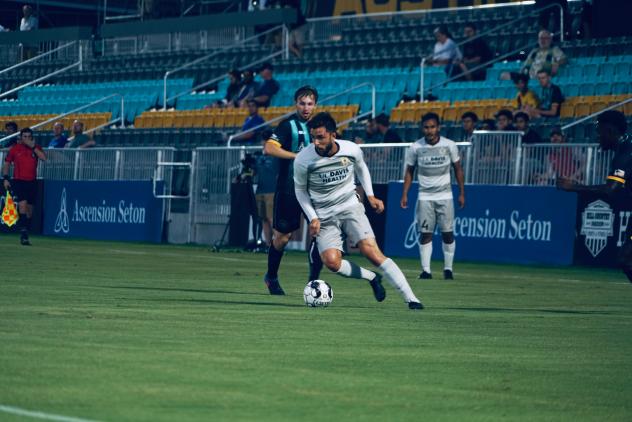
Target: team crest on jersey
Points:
(597, 226)
(344, 161)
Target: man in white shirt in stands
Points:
(433, 156)
(324, 182)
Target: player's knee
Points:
(331, 259)
(426, 238)
(280, 240)
(448, 237)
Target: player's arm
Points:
(552, 112)
(279, 144)
(88, 144)
(610, 189)
(302, 196)
(39, 152)
(364, 176)
(408, 181)
(460, 180)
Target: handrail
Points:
(596, 113)
(219, 78)
(41, 78)
(276, 119)
(106, 18)
(208, 56)
(480, 66)
(32, 59)
(100, 100)
(492, 30)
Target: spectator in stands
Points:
(268, 88)
(79, 139)
(382, 124)
(475, 53)
(233, 89)
(488, 124)
(551, 97)
(529, 135)
(562, 162)
(248, 88)
(59, 139)
(297, 36)
(544, 57)
(9, 129)
(28, 22)
(253, 120)
(504, 120)
(446, 52)
(468, 122)
(3, 29)
(525, 98)
(266, 170)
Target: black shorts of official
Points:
(24, 190)
(625, 254)
(287, 213)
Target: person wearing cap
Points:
(529, 136)
(612, 130)
(268, 88)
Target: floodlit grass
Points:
(131, 332)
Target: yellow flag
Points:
(10, 211)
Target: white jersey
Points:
(433, 164)
(325, 186)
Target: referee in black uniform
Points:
(290, 137)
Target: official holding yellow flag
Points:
(24, 155)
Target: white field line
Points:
(40, 415)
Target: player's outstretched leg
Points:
(332, 258)
(449, 246)
(315, 262)
(275, 254)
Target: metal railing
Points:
(590, 116)
(139, 15)
(329, 98)
(219, 51)
(75, 110)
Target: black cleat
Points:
(24, 240)
(425, 276)
(447, 275)
(415, 305)
(273, 286)
(378, 289)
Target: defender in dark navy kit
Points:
(289, 138)
(612, 127)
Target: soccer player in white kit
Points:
(432, 156)
(324, 182)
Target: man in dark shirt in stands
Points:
(9, 129)
(551, 97)
(389, 135)
(268, 88)
(529, 136)
(504, 120)
(475, 53)
(612, 128)
(469, 119)
(253, 120)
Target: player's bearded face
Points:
(305, 106)
(323, 141)
(431, 130)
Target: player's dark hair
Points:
(430, 116)
(470, 115)
(26, 130)
(521, 115)
(615, 119)
(504, 112)
(306, 91)
(382, 119)
(322, 119)
(11, 125)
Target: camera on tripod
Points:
(248, 165)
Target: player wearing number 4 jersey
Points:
(324, 181)
(432, 156)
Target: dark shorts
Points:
(287, 213)
(24, 191)
(625, 254)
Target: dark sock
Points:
(628, 272)
(315, 263)
(23, 223)
(274, 261)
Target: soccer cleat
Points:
(425, 275)
(273, 286)
(378, 289)
(415, 305)
(447, 275)
(24, 240)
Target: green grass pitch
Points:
(131, 332)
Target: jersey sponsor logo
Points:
(597, 226)
(61, 222)
(333, 175)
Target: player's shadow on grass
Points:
(223, 302)
(550, 311)
(172, 289)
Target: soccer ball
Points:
(318, 293)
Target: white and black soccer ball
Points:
(318, 293)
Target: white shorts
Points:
(354, 223)
(429, 213)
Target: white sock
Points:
(425, 252)
(448, 255)
(350, 269)
(395, 276)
